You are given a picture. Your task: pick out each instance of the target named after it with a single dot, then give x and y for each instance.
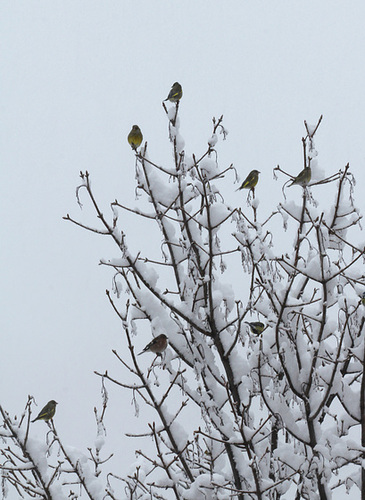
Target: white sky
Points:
(75, 75)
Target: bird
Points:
(303, 178)
(47, 412)
(362, 298)
(250, 181)
(175, 93)
(135, 137)
(157, 345)
(256, 327)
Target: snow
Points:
(171, 113)
(209, 168)
(203, 488)
(38, 452)
(213, 140)
(255, 203)
(99, 442)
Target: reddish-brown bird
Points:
(157, 345)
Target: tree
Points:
(238, 413)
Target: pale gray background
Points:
(75, 75)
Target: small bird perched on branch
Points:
(175, 93)
(256, 327)
(47, 412)
(362, 298)
(157, 345)
(250, 181)
(303, 178)
(135, 137)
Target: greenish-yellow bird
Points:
(250, 181)
(256, 327)
(135, 137)
(303, 178)
(362, 297)
(175, 93)
(47, 412)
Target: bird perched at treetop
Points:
(47, 412)
(250, 181)
(157, 345)
(175, 93)
(303, 178)
(135, 137)
(256, 327)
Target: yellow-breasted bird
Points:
(250, 181)
(157, 345)
(47, 412)
(135, 137)
(303, 178)
(362, 298)
(256, 327)
(175, 93)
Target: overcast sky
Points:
(75, 76)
